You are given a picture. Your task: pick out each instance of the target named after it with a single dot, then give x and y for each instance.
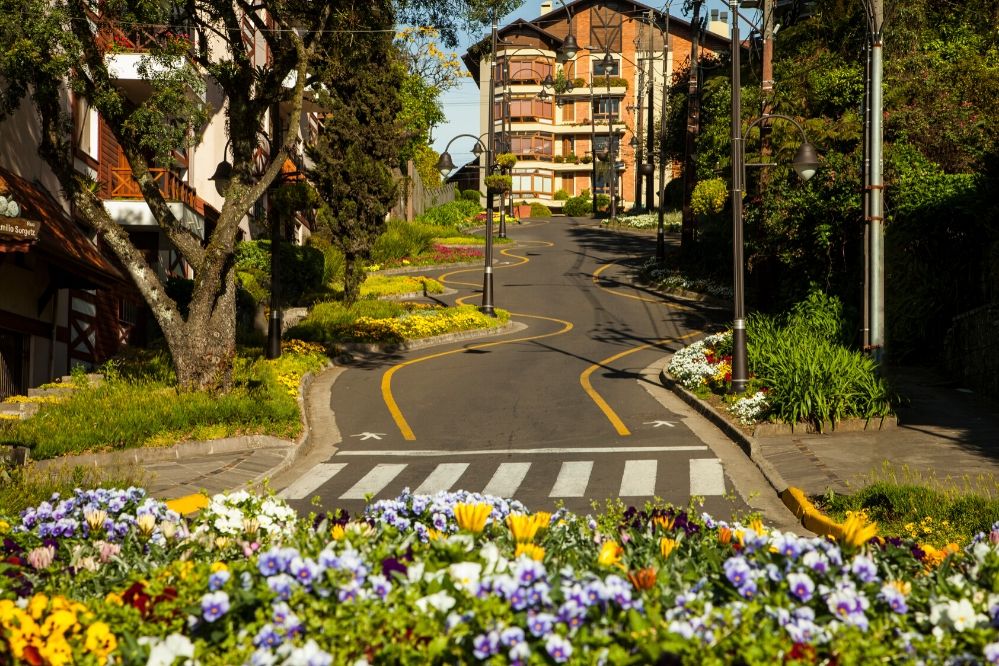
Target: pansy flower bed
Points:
(707, 365)
(112, 576)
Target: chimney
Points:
(546, 6)
(718, 23)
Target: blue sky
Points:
(461, 105)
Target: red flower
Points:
(32, 656)
(136, 597)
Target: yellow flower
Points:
(522, 527)
(533, 551)
(58, 623)
(757, 526)
(114, 598)
(667, 546)
(4, 527)
(472, 517)
(903, 586)
(855, 530)
(55, 651)
(37, 606)
(338, 532)
(433, 534)
(221, 542)
(146, 523)
(610, 554)
(219, 566)
(100, 641)
(95, 519)
(664, 522)
(543, 518)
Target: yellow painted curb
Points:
(188, 503)
(811, 518)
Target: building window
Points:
(532, 146)
(528, 109)
(606, 108)
(528, 71)
(87, 125)
(599, 69)
(532, 184)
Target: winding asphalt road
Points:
(565, 407)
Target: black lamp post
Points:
(445, 165)
(805, 163)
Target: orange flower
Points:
(643, 579)
(665, 522)
(724, 535)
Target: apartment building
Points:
(64, 300)
(567, 120)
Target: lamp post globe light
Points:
(445, 165)
(805, 164)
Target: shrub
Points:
(561, 195)
(470, 195)
(540, 210)
(506, 160)
(709, 197)
(578, 207)
(457, 214)
(499, 183)
(601, 202)
(302, 267)
(401, 240)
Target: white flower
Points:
(165, 652)
(962, 615)
(440, 601)
(495, 563)
(465, 575)
(751, 409)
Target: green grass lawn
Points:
(910, 505)
(140, 405)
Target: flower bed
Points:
(112, 576)
(438, 255)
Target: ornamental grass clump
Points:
(800, 371)
(416, 580)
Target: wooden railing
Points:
(123, 186)
(139, 39)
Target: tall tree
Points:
(49, 45)
(362, 140)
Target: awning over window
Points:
(40, 225)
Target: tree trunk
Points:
(353, 276)
(204, 347)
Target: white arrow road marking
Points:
(369, 435)
(656, 424)
(311, 480)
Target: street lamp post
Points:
(445, 165)
(805, 163)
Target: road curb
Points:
(793, 498)
(421, 343)
(748, 445)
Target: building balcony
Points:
(128, 59)
(126, 205)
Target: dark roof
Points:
(473, 56)
(62, 242)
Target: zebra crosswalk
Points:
(556, 480)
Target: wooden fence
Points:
(415, 199)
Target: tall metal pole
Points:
(487, 278)
(661, 225)
(506, 92)
(611, 140)
(639, 117)
(275, 323)
(693, 127)
(877, 275)
(739, 365)
(650, 145)
(767, 85)
(865, 332)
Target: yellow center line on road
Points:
(393, 407)
(584, 378)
